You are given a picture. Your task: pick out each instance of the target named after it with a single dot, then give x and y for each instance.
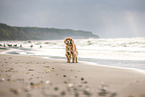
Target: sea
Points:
(126, 53)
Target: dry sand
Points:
(27, 76)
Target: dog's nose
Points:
(67, 42)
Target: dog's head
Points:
(68, 41)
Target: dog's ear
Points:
(65, 41)
(72, 41)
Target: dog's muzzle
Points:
(68, 42)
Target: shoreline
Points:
(91, 63)
(96, 64)
(33, 76)
(115, 67)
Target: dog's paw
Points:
(68, 61)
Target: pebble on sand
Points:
(82, 78)
(15, 91)
(46, 66)
(47, 82)
(34, 85)
(64, 75)
(2, 79)
(70, 85)
(56, 88)
(30, 70)
(63, 93)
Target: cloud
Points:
(108, 18)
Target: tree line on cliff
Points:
(35, 33)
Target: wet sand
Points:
(27, 76)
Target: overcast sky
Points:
(106, 18)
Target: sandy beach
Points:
(28, 76)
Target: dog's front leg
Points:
(68, 59)
(76, 59)
(68, 56)
(73, 57)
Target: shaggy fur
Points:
(71, 51)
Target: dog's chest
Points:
(70, 48)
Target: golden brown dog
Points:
(71, 51)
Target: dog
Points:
(71, 50)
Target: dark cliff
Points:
(35, 33)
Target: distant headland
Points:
(36, 33)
